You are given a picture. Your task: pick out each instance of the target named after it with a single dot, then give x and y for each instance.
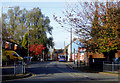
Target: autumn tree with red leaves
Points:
(36, 49)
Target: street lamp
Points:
(28, 46)
(1, 37)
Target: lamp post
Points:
(1, 36)
(28, 45)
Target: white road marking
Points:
(85, 76)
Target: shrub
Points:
(4, 57)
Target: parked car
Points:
(12, 55)
(61, 58)
(117, 60)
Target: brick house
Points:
(9, 45)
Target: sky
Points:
(59, 34)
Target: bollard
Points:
(103, 66)
(77, 63)
(80, 63)
(112, 66)
(24, 67)
(14, 68)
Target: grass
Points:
(111, 72)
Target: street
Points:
(59, 71)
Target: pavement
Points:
(18, 76)
(88, 69)
(8, 73)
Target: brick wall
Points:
(117, 54)
(96, 55)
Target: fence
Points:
(110, 67)
(19, 67)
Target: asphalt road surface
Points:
(59, 72)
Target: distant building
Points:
(56, 53)
(75, 46)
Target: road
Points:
(59, 71)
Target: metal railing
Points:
(110, 67)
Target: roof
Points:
(10, 40)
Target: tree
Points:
(36, 49)
(50, 42)
(39, 26)
(96, 24)
(14, 24)
(32, 25)
(106, 38)
(25, 41)
(5, 33)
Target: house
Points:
(75, 45)
(79, 52)
(9, 45)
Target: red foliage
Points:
(36, 49)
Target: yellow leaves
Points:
(112, 27)
(98, 16)
(110, 44)
(74, 39)
(104, 32)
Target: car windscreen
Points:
(62, 56)
(15, 55)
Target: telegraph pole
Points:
(71, 45)
(64, 44)
(74, 55)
